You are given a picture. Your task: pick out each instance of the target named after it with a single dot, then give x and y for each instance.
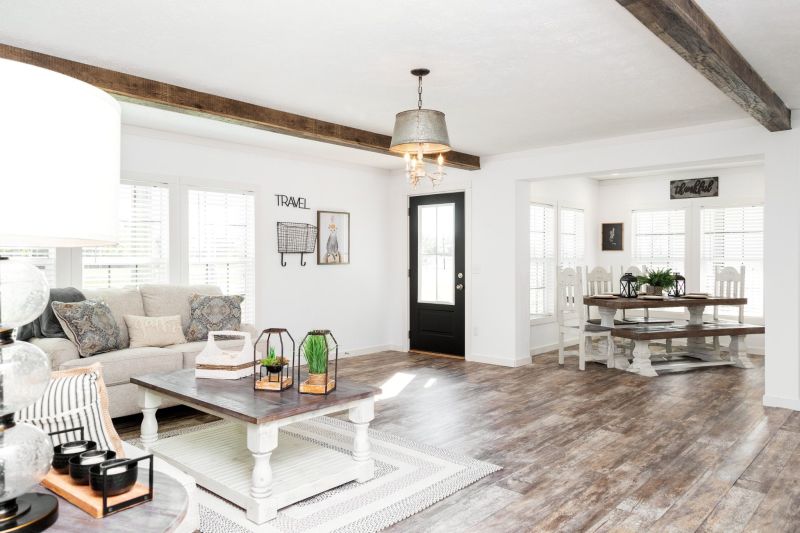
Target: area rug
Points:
(409, 477)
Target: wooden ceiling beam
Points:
(174, 98)
(686, 28)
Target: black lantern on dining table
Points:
(679, 286)
(628, 286)
(276, 375)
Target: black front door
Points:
(436, 241)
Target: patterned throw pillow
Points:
(90, 325)
(75, 398)
(213, 313)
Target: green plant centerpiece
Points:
(319, 349)
(657, 280)
(273, 363)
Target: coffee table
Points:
(249, 462)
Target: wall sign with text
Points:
(298, 202)
(695, 188)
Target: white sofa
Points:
(120, 365)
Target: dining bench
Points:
(696, 354)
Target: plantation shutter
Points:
(222, 243)
(543, 259)
(732, 237)
(142, 253)
(659, 239)
(571, 237)
(42, 258)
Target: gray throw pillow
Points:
(213, 313)
(47, 325)
(90, 325)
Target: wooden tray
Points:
(317, 389)
(83, 497)
(263, 384)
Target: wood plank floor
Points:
(600, 450)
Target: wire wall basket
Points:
(296, 238)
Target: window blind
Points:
(42, 258)
(571, 237)
(142, 253)
(543, 259)
(659, 239)
(731, 237)
(222, 243)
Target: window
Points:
(734, 236)
(659, 239)
(543, 259)
(436, 247)
(142, 253)
(42, 258)
(222, 243)
(570, 237)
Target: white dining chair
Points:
(728, 283)
(598, 281)
(571, 320)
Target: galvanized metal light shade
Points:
(418, 130)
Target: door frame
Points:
(467, 265)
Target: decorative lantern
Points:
(274, 372)
(316, 350)
(679, 287)
(628, 286)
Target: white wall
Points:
(579, 193)
(351, 301)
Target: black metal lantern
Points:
(316, 350)
(628, 286)
(276, 375)
(679, 286)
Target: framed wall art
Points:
(611, 239)
(333, 247)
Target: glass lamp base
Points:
(34, 512)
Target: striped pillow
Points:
(75, 398)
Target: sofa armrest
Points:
(59, 351)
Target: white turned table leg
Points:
(738, 352)
(696, 315)
(261, 441)
(697, 345)
(361, 415)
(607, 315)
(149, 402)
(641, 360)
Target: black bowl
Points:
(117, 482)
(80, 464)
(64, 452)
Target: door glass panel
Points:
(436, 246)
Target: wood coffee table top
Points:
(237, 398)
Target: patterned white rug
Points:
(409, 477)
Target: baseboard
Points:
(489, 360)
(539, 350)
(777, 401)
(355, 352)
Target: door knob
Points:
(460, 287)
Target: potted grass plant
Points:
(657, 280)
(316, 352)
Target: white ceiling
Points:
(509, 75)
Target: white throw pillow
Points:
(156, 331)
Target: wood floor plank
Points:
(600, 450)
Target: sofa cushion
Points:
(120, 365)
(121, 302)
(58, 350)
(90, 325)
(154, 330)
(190, 350)
(165, 300)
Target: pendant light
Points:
(419, 133)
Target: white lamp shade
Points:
(60, 162)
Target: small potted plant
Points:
(273, 363)
(657, 280)
(316, 352)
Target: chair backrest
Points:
(569, 304)
(599, 280)
(729, 283)
(636, 271)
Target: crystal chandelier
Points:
(419, 133)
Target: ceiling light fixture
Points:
(419, 133)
